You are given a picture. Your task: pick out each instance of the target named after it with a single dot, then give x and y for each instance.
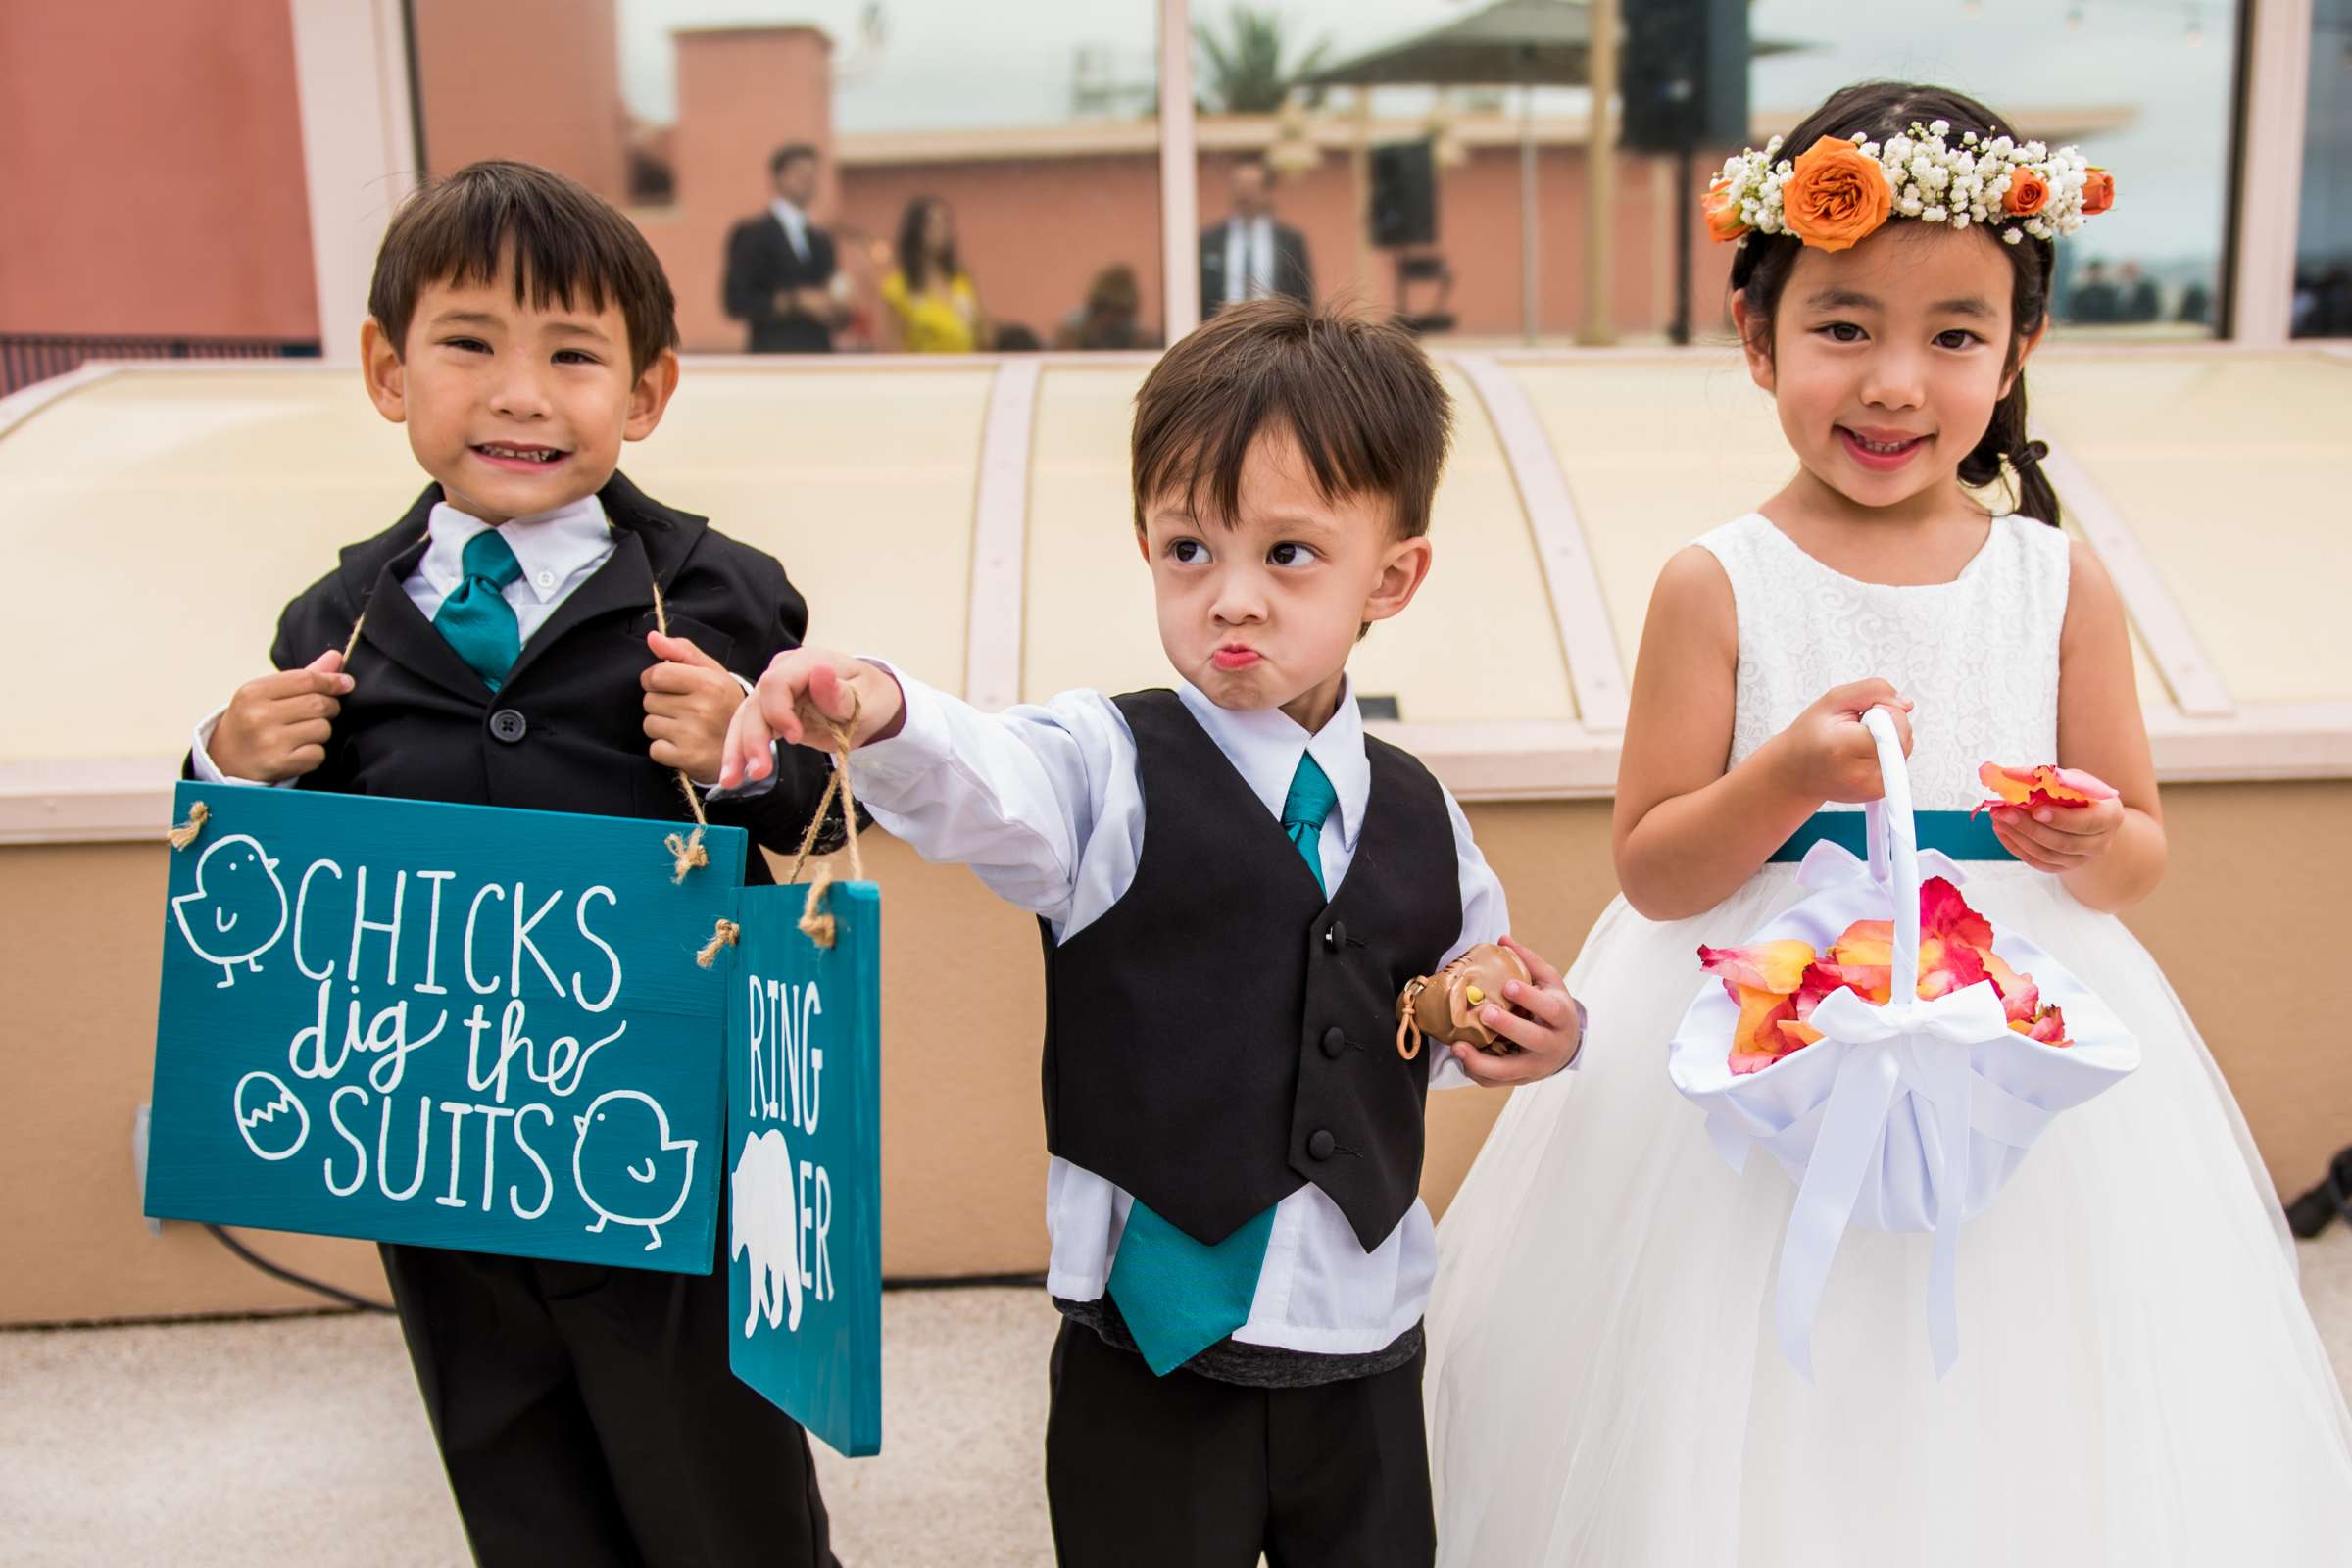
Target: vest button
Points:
(1337, 937)
(509, 725)
(1335, 1041)
(1321, 1144)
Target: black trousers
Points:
(1192, 1473)
(587, 1417)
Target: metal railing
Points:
(29, 357)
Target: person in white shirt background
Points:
(1252, 255)
(1237, 1130)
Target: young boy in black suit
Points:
(520, 330)
(1240, 1250)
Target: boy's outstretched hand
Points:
(277, 727)
(689, 696)
(1546, 1027)
(801, 689)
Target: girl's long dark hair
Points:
(914, 259)
(1762, 266)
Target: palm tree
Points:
(1244, 72)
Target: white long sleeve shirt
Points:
(1043, 802)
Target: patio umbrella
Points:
(1521, 43)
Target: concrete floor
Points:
(301, 1440)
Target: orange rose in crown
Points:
(2028, 193)
(1777, 984)
(1722, 212)
(1836, 196)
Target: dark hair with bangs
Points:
(1359, 397)
(1761, 266)
(567, 244)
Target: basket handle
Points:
(1894, 854)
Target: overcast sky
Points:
(948, 64)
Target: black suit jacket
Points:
(1293, 274)
(761, 262)
(566, 731)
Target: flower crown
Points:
(1839, 192)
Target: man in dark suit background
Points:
(780, 265)
(1249, 256)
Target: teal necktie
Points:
(477, 619)
(1179, 1295)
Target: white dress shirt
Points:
(1249, 258)
(558, 551)
(1043, 802)
(796, 226)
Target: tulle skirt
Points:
(2140, 1382)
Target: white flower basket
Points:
(1909, 1116)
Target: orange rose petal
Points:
(2019, 996)
(1943, 912)
(1798, 1033)
(1865, 943)
(1760, 1014)
(2035, 787)
(1872, 982)
(2073, 784)
(2048, 1026)
(1775, 967)
(1947, 966)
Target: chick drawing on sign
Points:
(764, 1219)
(627, 1165)
(238, 909)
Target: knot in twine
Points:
(815, 924)
(184, 834)
(723, 934)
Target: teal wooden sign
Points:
(449, 1025)
(804, 1188)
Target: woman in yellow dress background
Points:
(930, 296)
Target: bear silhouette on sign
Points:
(764, 1220)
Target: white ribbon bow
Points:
(1908, 1045)
(1916, 1046)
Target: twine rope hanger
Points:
(688, 851)
(816, 923)
(183, 834)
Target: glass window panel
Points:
(2142, 86)
(2324, 235)
(1025, 135)
(2145, 86)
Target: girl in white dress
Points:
(2140, 1382)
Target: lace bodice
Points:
(1978, 655)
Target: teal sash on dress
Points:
(1957, 834)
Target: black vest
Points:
(1223, 1034)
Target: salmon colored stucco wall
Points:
(533, 80)
(151, 164)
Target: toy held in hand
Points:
(1777, 984)
(1443, 1006)
(2032, 788)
